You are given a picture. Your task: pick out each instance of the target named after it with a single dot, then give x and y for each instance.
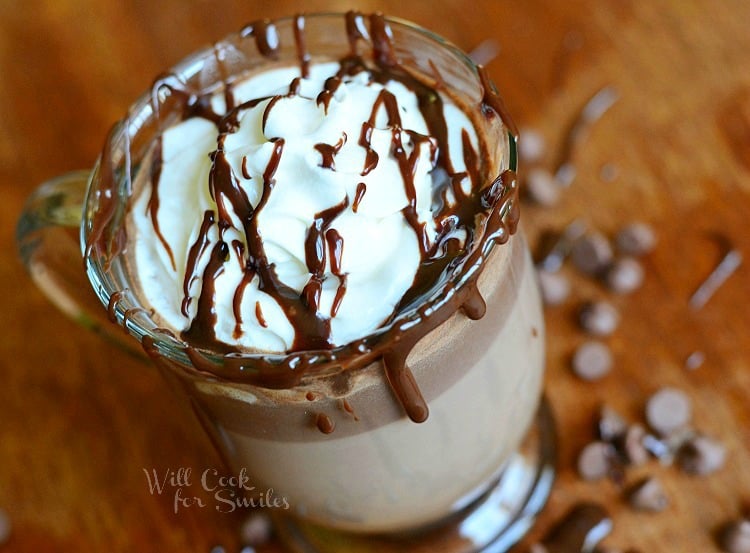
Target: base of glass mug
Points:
(491, 524)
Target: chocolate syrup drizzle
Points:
(153, 201)
(315, 253)
(324, 423)
(445, 282)
(359, 196)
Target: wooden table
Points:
(81, 419)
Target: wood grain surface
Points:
(80, 420)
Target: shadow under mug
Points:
(470, 478)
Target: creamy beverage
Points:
(327, 243)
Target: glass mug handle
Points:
(48, 243)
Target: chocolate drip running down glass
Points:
(311, 229)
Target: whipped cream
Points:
(336, 176)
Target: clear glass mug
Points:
(471, 477)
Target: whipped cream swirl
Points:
(300, 218)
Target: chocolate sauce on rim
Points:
(267, 37)
(303, 55)
(445, 282)
(114, 299)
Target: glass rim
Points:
(175, 349)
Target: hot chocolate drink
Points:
(320, 248)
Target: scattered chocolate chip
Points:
(701, 455)
(581, 529)
(542, 187)
(599, 318)
(611, 425)
(538, 548)
(596, 460)
(635, 239)
(591, 112)
(256, 530)
(726, 267)
(566, 174)
(592, 253)
(633, 447)
(695, 360)
(668, 410)
(486, 51)
(554, 247)
(5, 527)
(555, 287)
(624, 276)
(531, 145)
(676, 439)
(648, 495)
(734, 537)
(658, 448)
(548, 252)
(608, 172)
(592, 360)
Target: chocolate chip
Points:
(256, 530)
(728, 264)
(701, 455)
(609, 172)
(581, 529)
(599, 318)
(555, 287)
(668, 410)
(735, 537)
(592, 360)
(566, 174)
(542, 187)
(5, 527)
(695, 360)
(658, 448)
(531, 145)
(596, 460)
(591, 253)
(553, 247)
(665, 448)
(648, 495)
(636, 239)
(624, 276)
(611, 425)
(635, 452)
